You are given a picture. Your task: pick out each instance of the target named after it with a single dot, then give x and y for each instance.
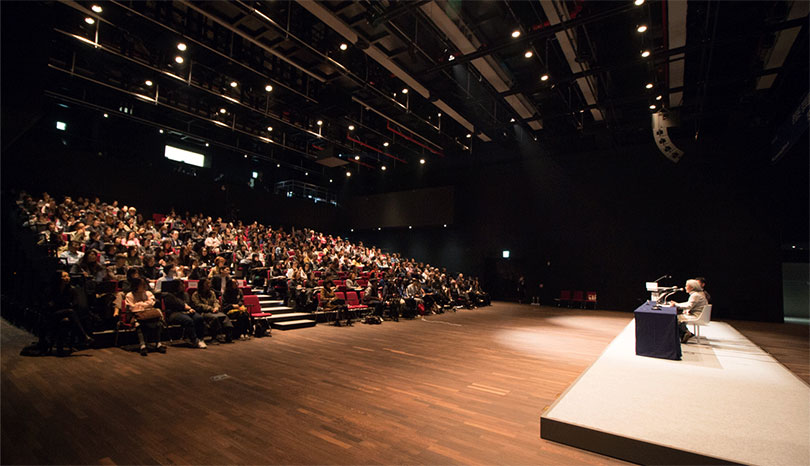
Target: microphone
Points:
(662, 277)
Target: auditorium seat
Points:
(254, 308)
(590, 298)
(565, 297)
(578, 298)
(704, 318)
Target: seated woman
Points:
(141, 302)
(150, 269)
(233, 305)
(221, 271)
(60, 306)
(351, 282)
(206, 303)
(329, 302)
(179, 312)
(372, 299)
(89, 267)
(133, 258)
(692, 307)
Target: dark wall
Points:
(610, 221)
(418, 207)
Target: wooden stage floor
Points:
(458, 388)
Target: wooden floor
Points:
(459, 388)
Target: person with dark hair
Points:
(141, 302)
(233, 305)
(702, 281)
(149, 270)
(133, 258)
(330, 302)
(179, 312)
(205, 302)
(89, 267)
(60, 307)
(72, 255)
(372, 298)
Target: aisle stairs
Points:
(284, 317)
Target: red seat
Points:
(320, 282)
(340, 295)
(590, 298)
(353, 301)
(565, 297)
(254, 307)
(362, 282)
(579, 298)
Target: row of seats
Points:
(579, 298)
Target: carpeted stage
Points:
(459, 388)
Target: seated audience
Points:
(141, 303)
(205, 301)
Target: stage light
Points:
(96, 8)
(269, 128)
(385, 144)
(652, 107)
(352, 230)
(638, 2)
(89, 20)
(528, 54)
(659, 97)
(642, 28)
(223, 111)
(319, 122)
(505, 254)
(206, 144)
(645, 53)
(268, 88)
(511, 120)
(445, 225)
(544, 77)
(348, 174)
(383, 168)
(245, 155)
(181, 47)
(515, 34)
(61, 126)
(469, 135)
(234, 83)
(148, 83)
(451, 58)
(106, 115)
(254, 175)
(343, 46)
(356, 157)
(306, 173)
(379, 229)
(422, 161)
(351, 127)
(405, 91)
(439, 115)
(278, 165)
(160, 131)
(330, 180)
(649, 85)
(179, 59)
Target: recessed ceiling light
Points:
(515, 33)
(378, 228)
(469, 135)
(652, 107)
(269, 128)
(148, 82)
(383, 168)
(351, 127)
(645, 53)
(234, 83)
(245, 155)
(330, 180)
(160, 131)
(544, 77)
(410, 227)
(268, 88)
(178, 59)
(638, 2)
(528, 54)
(659, 97)
(207, 144)
(106, 115)
(223, 111)
(278, 165)
(89, 20)
(440, 114)
(649, 85)
(356, 157)
(451, 58)
(319, 122)
(348, 173)
(385, 144)
(445, 225)
(511, 120)
(96, 8)
(306, 173)
(405, 91)
(422, 161)
(343, 46)
(642, 28)
(181, 47)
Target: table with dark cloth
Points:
(657, 332)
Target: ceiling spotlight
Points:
(383, 168)
(652, 107)
(269, 128)
(207, 144)
(278, 165)
(385, 144)
(89, 20)
(410, 227)
(469, 135)
(515, 34)
(106, 115)
(160, 131)
(649, 85)
(181, 47)
(638, 2)
(659, 97)
(422, 161)
(440, 114)
(178, 59)
(96, 8)
(642, 28)
(148, 82)
(356, 157)
(528, 54)
(405, 91)
(445, 225)
(319, 122)
(223, 111)
(268, 88)
(378, 228)
(245, 155)
(330, 180)
(234, 83)
(645, 53)
(544, 77)
(511, 120)
(451, 58)
(348, 174)
(351, 127)
(306, 173)
(343, 46)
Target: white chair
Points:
(703, 319)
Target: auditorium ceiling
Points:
(374, 85)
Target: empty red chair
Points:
(565, 297)
(590, 298)
(354, 302)
(340, 295)
(254, 308)
(578, 298)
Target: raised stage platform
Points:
(727, 401)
